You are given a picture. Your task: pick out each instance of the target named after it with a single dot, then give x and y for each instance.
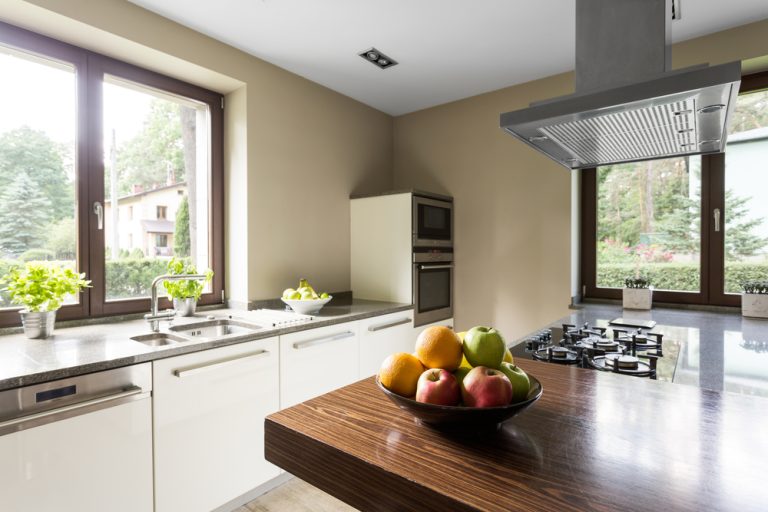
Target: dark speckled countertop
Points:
(721, 351)
(90, 348)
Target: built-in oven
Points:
(432, 285)
(432, 222)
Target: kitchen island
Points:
(594, 441)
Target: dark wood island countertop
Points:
(594, 441)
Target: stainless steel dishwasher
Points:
(78, 444)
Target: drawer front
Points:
(317, 361)
(384, 335)
(209, 424)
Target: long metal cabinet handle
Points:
(716, 214)
(102, 400)
(98, 209)
(374, 328)
(434, 267)
(326, 339)
(186, 372)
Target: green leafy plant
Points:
(185, 289)
(42, 286)
(637, 282)
(756, 287)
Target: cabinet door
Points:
(96, 462)
(448, 322)
(316, 361)
(384, 335)
(209, 410)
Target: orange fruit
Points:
(400, 372)
(439, 347)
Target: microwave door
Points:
(433, 223)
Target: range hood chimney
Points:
(628, 105)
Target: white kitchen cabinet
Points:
(383, 335)
(316, 361)
(92, 463)
(209, 410)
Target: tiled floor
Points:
(295, 496)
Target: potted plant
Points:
(185, 293)
(638, 293)
(754, 300)
(41, 289)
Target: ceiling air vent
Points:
(374, 56)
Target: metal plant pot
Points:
(38, 325)
(185, 307)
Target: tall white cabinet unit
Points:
(381, 241)
(209, 410)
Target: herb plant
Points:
(637, 282)
(756, 287)
(42, 286)
(186, 289)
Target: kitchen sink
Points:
(215, 329)
(159, 339)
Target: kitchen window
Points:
(697, 226)
(87, 136)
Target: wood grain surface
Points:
(594, 441)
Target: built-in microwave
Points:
(432, 222)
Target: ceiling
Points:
(446, 49)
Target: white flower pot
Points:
(637, 298)
(38, 325)
(754, 305)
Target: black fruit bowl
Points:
(460, 416)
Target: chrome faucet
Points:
(153, 317)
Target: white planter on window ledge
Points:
(754, 305)
(637, 298)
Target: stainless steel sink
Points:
(159, 339)
(213, 329)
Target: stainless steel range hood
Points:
(628, 106)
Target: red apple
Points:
(439, 387)
(486, 387)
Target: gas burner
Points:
(627, 365)
(558, 355)
(638, 340)
(607, 345)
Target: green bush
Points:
(126, 278)
(132, 277)
(37, 255)
(679, 276)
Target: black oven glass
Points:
(434, 222)
(434, 289)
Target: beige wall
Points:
(295, 150)
(513, 205)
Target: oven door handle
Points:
(435, 267)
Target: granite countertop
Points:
(721, 351)
(78, 350)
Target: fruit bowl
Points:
(460, 416)
(307, 307)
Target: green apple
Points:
(324, 295)
(521, 384)
(288, 292)
(484, 346)
(460, 373)
(306, 295)
(294, 296)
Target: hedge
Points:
(126, 278)
(679, 276)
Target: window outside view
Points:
(38, 133)
(156, 170)
(648, 219)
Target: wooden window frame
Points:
(90, 68)
(712, 247)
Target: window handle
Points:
(98, 209)
(716, 214)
